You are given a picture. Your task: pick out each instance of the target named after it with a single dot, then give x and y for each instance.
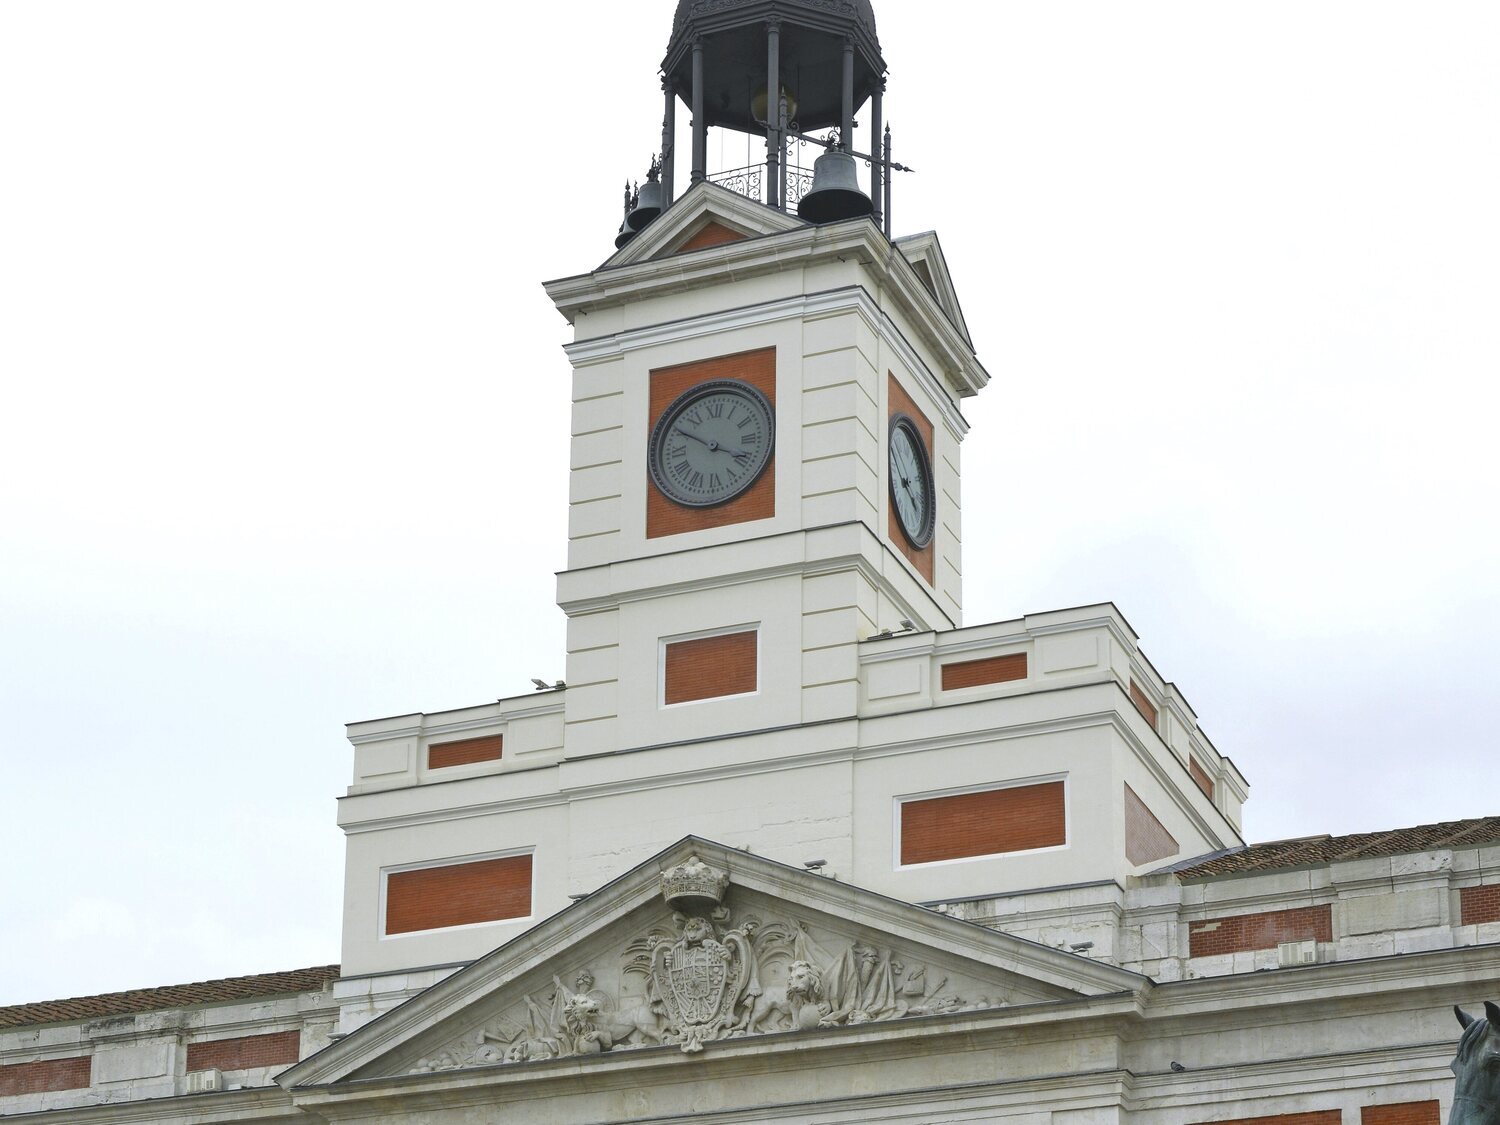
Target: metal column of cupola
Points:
(785, 70)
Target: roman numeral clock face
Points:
(911, 482)
(711, 443)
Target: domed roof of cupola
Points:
(858, 10)
(813, 37)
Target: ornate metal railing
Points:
(750, 182)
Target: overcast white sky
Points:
(285, 411)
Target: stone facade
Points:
(792, 842)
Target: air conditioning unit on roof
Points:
(205, 1081)
(1290, 953)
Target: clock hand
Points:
(713, 446)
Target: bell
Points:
(647, 205)
(835, 193)
(625, 235)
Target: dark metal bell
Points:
(835, 193)
(625, 235)
(647, 206)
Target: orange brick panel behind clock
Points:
(990, 670)
(758, 502)
(1315, 1117)
(1479, 904)
(458, 894)
(995, 821)
(465, 751)
(280, 1048)
(1244, 933)
(923, 558)
(708, 667)
(45, 1076)
(1401, 1113)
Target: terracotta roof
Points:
(171, 996)
(1318, 851)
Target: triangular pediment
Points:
(925, 254)
(725, 215)
(784, 955)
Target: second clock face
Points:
(911, 481)
(711, 443)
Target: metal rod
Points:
(877, 166)
(773, 112)
(700, 127)
(888, 166)
(846, 133)
(668, 143)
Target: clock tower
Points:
(765, 644)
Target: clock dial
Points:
(911, 481)
(711, 443)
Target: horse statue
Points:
(1476, 1095)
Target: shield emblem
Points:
(695, 981)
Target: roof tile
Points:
(170, 996)
(1318, 851)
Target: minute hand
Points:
(713, 446)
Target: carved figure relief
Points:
(708, 979)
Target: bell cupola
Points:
(796, 73)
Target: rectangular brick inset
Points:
(1312, 1117)
(758, 502)
(1401, 1113)
(458, 894)
(465, 751)
(923, 558)
(1146, 838)
(45, 1076)
(710, 667)
(1479, 904)
(1143, 703)
(993, 822)
(1244, 933)
(279, 1048)
(988, 670)
(1201, 778)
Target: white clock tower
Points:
(764, 583)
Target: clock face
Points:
(711, 443)
(911, 481)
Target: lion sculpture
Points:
(798, 1004)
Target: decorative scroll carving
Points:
(705, 980)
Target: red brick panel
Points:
(1201, 778)
(709, 667)
(458, 894)
(924, 559)
(1146, 838)
(280, 1048)
(1242, 933)
(1479, 904)
(1016, 819)
(989, 670)
(758, 502)
(45, 1076)
(1314, 1117)
(1401, 1113)
(1143, 703)
(713, 234)
(465, 751)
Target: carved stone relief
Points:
(707, 978)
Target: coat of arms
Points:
(700, 979)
